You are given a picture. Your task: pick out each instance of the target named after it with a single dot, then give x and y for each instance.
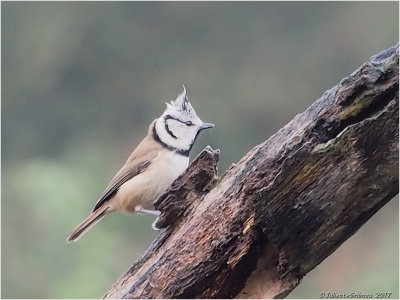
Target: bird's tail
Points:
(87, 224)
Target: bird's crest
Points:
(181, 103)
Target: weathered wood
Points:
(285, 206)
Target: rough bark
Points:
(285, 206)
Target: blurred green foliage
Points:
(81, 81)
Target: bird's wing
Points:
(132, 168)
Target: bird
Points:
(152, 167)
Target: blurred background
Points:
(81, 81)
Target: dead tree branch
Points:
(285, 206)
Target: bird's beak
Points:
(206, 125)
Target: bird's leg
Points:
(153, 225)
(148, 211)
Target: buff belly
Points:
(143, 189)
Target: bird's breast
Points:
(143, 189)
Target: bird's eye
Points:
(188, 123)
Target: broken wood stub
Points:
(285, 206)
(196, 182)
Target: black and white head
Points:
(179, 125)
